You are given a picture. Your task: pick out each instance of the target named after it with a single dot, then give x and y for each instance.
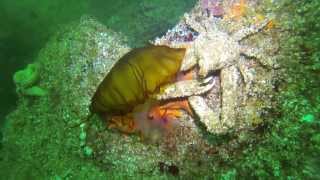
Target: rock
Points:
(75, 62)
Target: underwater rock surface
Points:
(52, 143)
(71, 67)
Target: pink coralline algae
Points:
(212, 7)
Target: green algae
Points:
(27, 77)
(308, 118)
(35, 91)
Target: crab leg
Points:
(258, 54)
(189, 60)
(243, 33)
(231, 84)
(195, 25)
(185, 88)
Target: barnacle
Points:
(135, 77)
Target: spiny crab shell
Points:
(234, 99)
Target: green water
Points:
(287, 148)
(26, 26)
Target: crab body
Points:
(212, 52)
(216, 51)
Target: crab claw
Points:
(189, 59)
(185, 88)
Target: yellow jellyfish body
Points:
(135, 77)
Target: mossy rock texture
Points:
(37, 141)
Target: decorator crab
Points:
(216, 52)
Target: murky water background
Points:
(25, 27)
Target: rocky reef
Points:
(56, 139)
